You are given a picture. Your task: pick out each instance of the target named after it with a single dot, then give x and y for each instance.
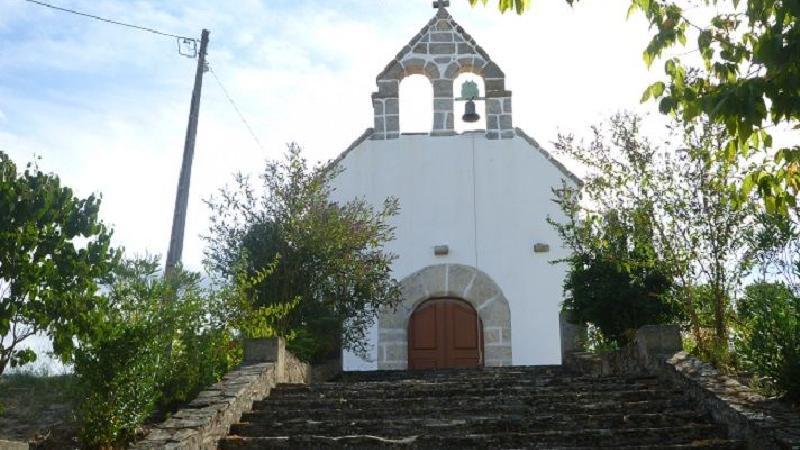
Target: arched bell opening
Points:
(445, 333)
(416, 104)
(470, 103)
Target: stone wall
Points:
(442, 51)
(763, 424)
(206, 419)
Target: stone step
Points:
(646, 438)
(500, 382)
(662, 407)
(455, 389)
(529, 397)
(464, 424)
(487, 372)
(544, 407)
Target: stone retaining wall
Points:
(208, 418)
(763, 424)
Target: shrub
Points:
(768, 342)
(158, 344)
(311, 270)
(617, 301)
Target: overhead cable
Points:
(236, 108)
(113, 22)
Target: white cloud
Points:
(107, 107)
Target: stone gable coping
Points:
(441, 51)
(569, 174)
(364, 136)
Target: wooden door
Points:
(445, 333)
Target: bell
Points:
(470, 116)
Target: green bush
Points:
(310, 270)
(616, 300)
(768, 342)
(158, 345)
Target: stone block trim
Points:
(447, 280)
(441, 51)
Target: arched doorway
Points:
(445, 333)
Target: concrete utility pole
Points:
(182, 195)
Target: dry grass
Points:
(38, 408)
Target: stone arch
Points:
(416, 103)
(441, 51)
(447, 280)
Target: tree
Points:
(613, 281)
(53, 251)
(124, 374)
(748, 82)
(519, 6)
(616, 279)
(774, 243)
(312, 270)
(676, 210)
(769, 338)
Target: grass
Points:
(36, 406)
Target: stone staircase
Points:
(539, 407)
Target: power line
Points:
(236, 108)
(113, 22)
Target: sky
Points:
(105, 107)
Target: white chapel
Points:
(473, 244)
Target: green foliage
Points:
(774, 243)
(748, 81)
(769, 338)
(617, 301)
(53, 251)
(157, 344)
(614, 282)
(520, 6)
(656, 222)
(303, 267)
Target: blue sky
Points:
(106, 107)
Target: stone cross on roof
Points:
(438, 4)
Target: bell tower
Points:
(441, 51)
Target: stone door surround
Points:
(454, 281)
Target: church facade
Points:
(473, 243)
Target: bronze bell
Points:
(470, 116)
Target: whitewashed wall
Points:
(488, 201)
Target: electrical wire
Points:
(113, 22)
(236, 108)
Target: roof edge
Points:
(549, 156)
(358, 141)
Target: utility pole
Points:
(182, 195)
